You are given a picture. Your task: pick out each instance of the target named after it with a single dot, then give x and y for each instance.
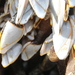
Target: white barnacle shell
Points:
(72, 21)
(71, 3)
(21, 7)
(29, 50)
(6, 7)
(57, 8)
(16, 3)
(28, 27)
(49, 38)
(40, 7)
(10, 56)
(31, 35)
(12, 8)
(63, 42)
(46, 45)
(27, 14)
(4, 17)
(45, 48)
(10, 36)
(2, 24)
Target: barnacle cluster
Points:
(31, 25)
